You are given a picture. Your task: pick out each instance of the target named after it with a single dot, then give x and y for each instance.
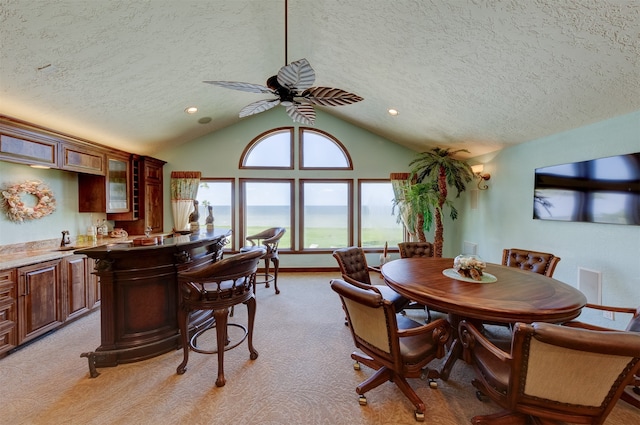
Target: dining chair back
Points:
(631, 394)
(415, 249)
(395, 346)
(538, 262)
(354, 269)
(553, 372)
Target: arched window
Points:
(272, 149)
(320, 150)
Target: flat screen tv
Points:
(604, 190)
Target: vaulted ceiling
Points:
(474, 74)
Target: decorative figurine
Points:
(194, 217)
(210, 219)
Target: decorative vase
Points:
(209, 221)
(194, 217)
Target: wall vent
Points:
(469, 248)
(590, 284)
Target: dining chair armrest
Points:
(628, 310)
(583, 325)
(441, 326)
(439, 331)
(470, 336)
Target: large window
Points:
(378, 224)
(217, 194)
(326, 214)
(266, 204)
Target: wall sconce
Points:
(477, 170)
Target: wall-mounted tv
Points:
(604, 190)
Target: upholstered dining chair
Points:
(269, 240)
(217, 288)
(552, 372)
(395, 346)
(533, 261)
(354, 268)
(631, 394)
(415, 249)
(411, 250)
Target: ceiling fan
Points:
(292, 88)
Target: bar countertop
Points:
(19, 258)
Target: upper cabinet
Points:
(127, 187)
(28, 151)
(110, 193)
(28, 144)
(118, 185)
(82, 158)
(146, 198)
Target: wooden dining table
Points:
(506, 295)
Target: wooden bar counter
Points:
(139, 294)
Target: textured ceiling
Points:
(474, 74)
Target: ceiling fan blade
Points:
(328, 96)
(302, 113)
(259, 106)
(236, 85)
(297, 75)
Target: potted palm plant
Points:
(432, 172)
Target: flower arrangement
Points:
(18, 211)
(469, 266)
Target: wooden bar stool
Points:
(268, 240)
(218, 287)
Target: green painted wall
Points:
(503, 218)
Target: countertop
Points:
(33, 256)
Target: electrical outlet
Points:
(608, 315)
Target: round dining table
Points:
(505, 295)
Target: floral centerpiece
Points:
(470, 266)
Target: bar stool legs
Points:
(222, 337)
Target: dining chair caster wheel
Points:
(419, 416)
(356, 366)
(362, 400)
(480, 396)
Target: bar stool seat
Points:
(218, 287)
(268, 240)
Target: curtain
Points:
(400, 183)
(184, 189)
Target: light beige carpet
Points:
(304, 375)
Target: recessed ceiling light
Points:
(204, 120)
(393, 112)
(191, 110)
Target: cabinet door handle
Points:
(27, 288)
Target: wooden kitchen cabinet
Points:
(93, 283)
(82, 158)
(147, 196)
(32, 152)
(76, 286)
(8, 331)
(39, 299)
(110, 193)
